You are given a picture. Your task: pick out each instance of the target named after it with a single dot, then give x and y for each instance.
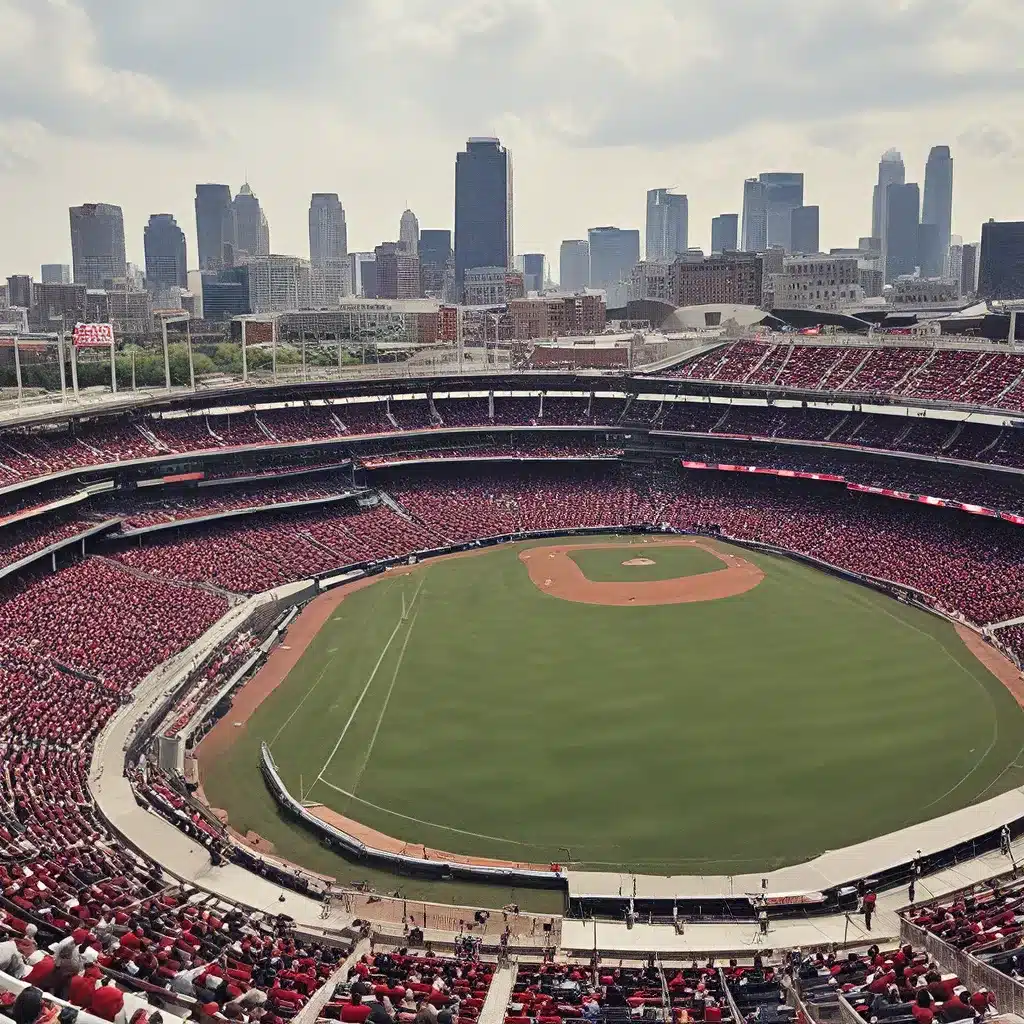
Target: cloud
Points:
(598, 101)
(51, 74)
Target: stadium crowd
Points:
(975, 377)
(403, 987)
(29, 454)
(898, 986)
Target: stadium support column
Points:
(273, 347)
(245, 359)
(74, 367)
(167, 357)
(60, 358)
(1012, 338)
(113, 368)
(191, 364)
(17, 369)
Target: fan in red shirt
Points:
(107, 1002)
(355, 1011)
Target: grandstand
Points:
(153, 555)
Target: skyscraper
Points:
(755, 226)
(97, 244)
(724, 232)
(164, 245)
(937, 209)
(783, 193)
(902, 229)
(19, 291)
(668, 224)
(398, 272)
(252, 231)
(483, 207)
(969, 269)
(613, 254)
(804, 229)
(409, 233)
(215, 226)
(55, 273)
(1001, 274)
(435, 250)
(533, 271)
(891, 171)
(574, 265)
(328, 235)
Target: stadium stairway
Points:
(498, 995)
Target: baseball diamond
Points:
(505, 705)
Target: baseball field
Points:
(646, 704)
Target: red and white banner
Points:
(93, 335)
(885, 492)
(794, 473)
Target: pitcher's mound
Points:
(639, 561)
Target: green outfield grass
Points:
(604, 565)
(712, 737)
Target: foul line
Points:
(373, 674)
(387, 700)
(309, 692)
(421, 821)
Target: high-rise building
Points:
(969, 269)
(215, 226)
(328, 235)
(398, 272)
(574, 265)
(804, 230)
(755, 225)
(278, 283)
(783, 193)
(937, 209)
(435, 251)
(409, 233)
(97, 244)
(1001, 273)
(67, 301)
(668, 224)
(364, 274)
(252, 231)
(483, 207)
(164, 245)
(891, 171)
(225, 293)
(533, 271)
(725, 232)
(613, 254)
(732, 278)
(19, 291)
(902, 230)
(55, 273)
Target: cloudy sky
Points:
(134, 101)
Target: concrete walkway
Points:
(498, 994)
(725, 938)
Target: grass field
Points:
(604, 565)
(714, 737)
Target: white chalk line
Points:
(423, 821)
(387, 700)
(369, 682)
(963, 668)
(309, 693)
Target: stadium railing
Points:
(1009, 994)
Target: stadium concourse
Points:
(115, 593)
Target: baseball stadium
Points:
(639, 672)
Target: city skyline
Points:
(155, 124)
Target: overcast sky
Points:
(134, 101)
